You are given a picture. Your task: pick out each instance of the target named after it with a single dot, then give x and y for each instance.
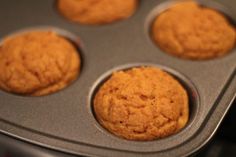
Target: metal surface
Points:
(64, 121)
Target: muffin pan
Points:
(64, 121)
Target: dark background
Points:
(224, 142)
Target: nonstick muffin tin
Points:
(64, 121)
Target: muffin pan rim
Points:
(104, 150)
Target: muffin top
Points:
(96, 11)
(142, 103)
(37, 63)
(191, 31)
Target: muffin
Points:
(142, 103)
(37, 63)
(96, 11)
(191, 31)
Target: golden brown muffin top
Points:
(143, 103)
(96, 11)
(34, 61)
(191, 31)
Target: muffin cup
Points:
(19, 35)
(186, 83)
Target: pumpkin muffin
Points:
(37, 63)
(142, 103)
(191, 31)
(96, 11)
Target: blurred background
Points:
(224, 142)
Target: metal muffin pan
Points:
(64, 121)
